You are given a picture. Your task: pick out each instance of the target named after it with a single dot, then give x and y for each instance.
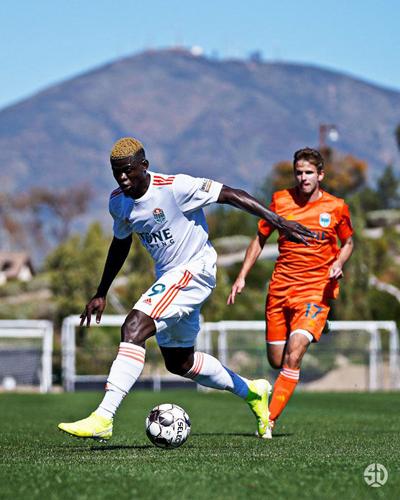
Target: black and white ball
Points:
(168, 426)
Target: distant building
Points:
(256, 56)
(15, 266)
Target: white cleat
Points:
(268, 432)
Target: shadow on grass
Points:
(118, 447)
(247, 434)
(114, 447)
(107, 447)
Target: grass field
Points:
(320, 449)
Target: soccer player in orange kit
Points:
(305, 278)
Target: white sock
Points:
(125, 370)
(208, 371)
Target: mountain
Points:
(225, 119)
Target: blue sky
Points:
(43, 42)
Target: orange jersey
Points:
(301, 269)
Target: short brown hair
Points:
(124, 147)
(313, 156)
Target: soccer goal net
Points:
(354, 355)
(26, 348)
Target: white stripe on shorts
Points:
(303, 332)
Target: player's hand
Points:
(336, 271)
(237, 287)
(96, 305)
(295, 231)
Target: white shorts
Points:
(175, 299)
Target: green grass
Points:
(320, 450)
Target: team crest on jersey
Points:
(159, 215)
(324, 219)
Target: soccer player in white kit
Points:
(166, 212)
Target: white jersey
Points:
(168, 218)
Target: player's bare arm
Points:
(252, 253)
(117, 254)
(336, 270)
(240, 199)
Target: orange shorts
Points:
(286, 314)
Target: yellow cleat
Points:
(257, 399)
(94, 427)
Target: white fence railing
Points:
(214, 338)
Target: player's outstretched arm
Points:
(238, 198)
(117, 254)
(252, 253)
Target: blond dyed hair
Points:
(124, 147)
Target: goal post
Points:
(87, 358)
(375, 329)
(26, 348)
(68, 345)
(216, 339)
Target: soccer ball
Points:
(168, 426)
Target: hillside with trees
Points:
(227, 119)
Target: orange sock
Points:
(283, 389)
